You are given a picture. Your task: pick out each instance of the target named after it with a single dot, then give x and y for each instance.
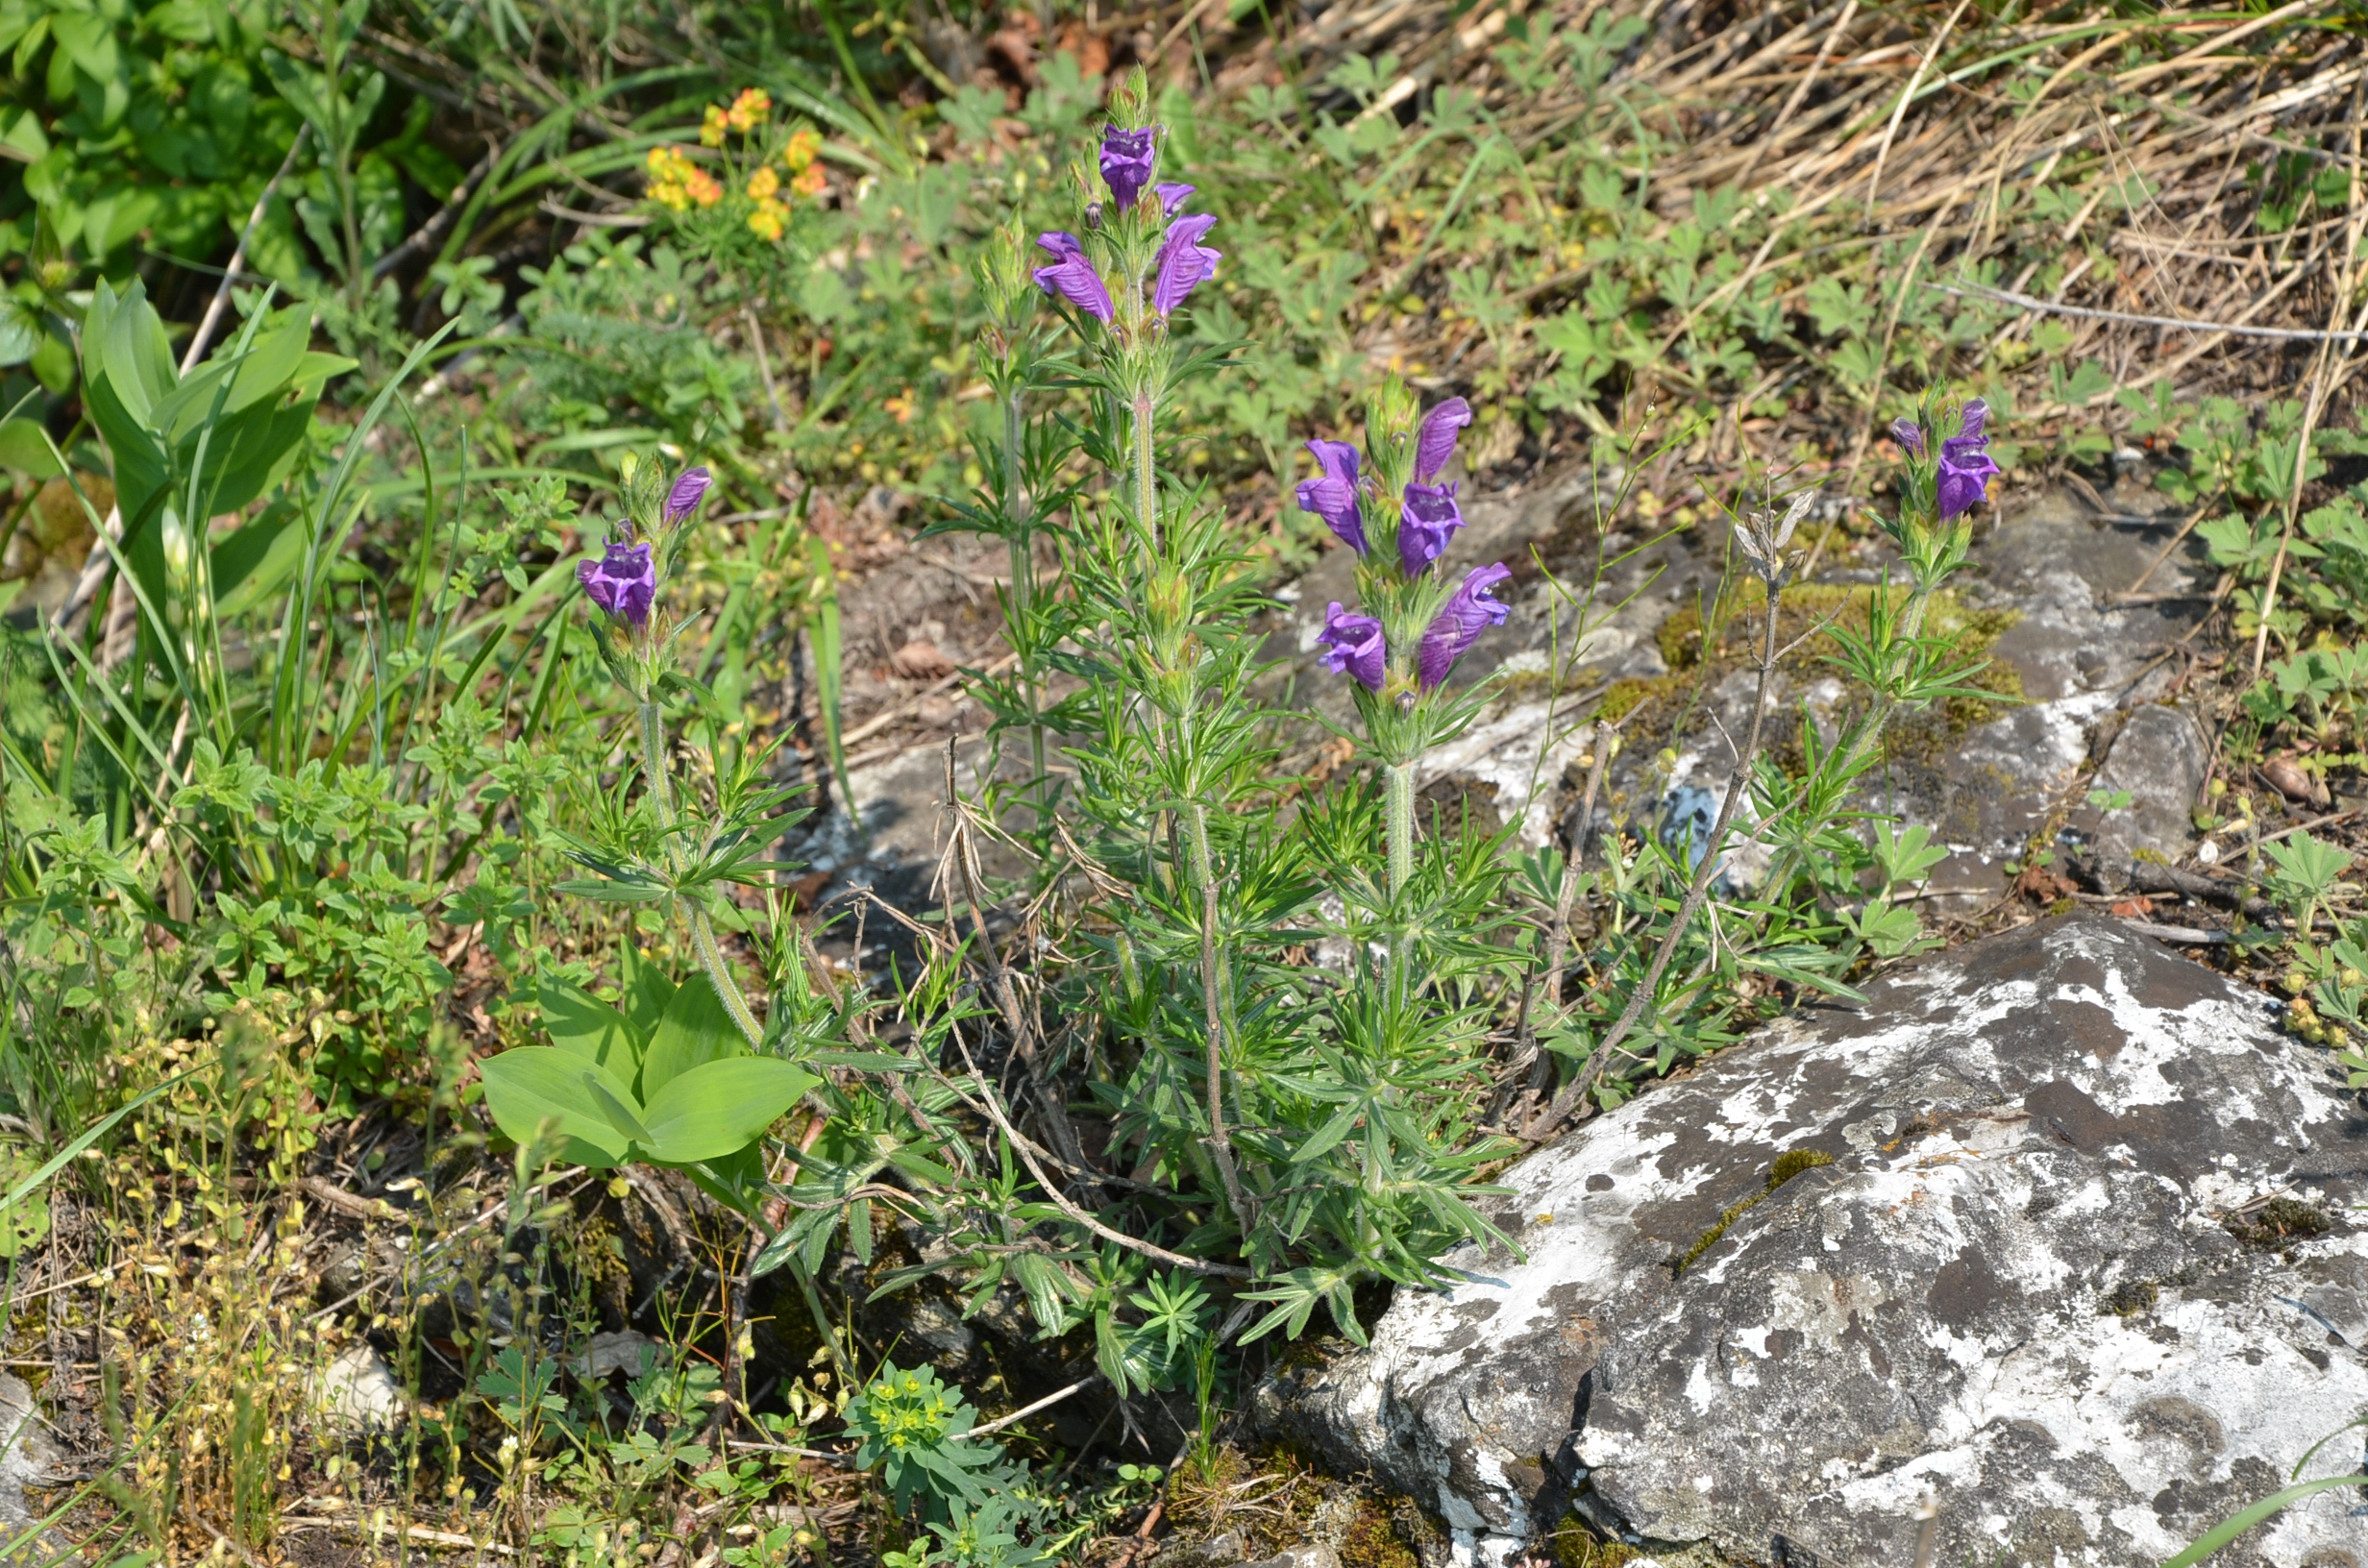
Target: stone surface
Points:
(2158, 758)
(2012, 1294)
(357, 1393)
(28, 1457)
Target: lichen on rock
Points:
(2012, 1295)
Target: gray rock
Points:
(2159, 759)
(2012, 1293)
(356, 1394)
(28, 1457)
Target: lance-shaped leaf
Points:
(719, 1109)
(534, 1084)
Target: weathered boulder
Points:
(2030, 1288)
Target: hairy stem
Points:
(1020, 520)
(1398, 813)
(1147, 478)
(1220, 1144)
(703, 932)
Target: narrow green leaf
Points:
(2244, 1519)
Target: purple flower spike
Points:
(1334, 497)
(1468, 614)
(1435, 443)
(622, 582)
(1965, 468)
(1910, 435)
(1170, 197)
(1184, 263)
(1072, 276)
(1430, 517)
(1126, 162)
(1354, 647)
(685, 498)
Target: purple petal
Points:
(1910, 435)
(688, 492)
(1354, 647)
(1072, 276)
(1170, 197)
(1431, 516)
(1965, 473)
(1976, 415)
(1127, 158)
(1184, 263)
(1334, 497)
(1435, 443)
(1458, 625)
(622, 582)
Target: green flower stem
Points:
(1021, 523)
(1221, 1143)
(702, 933)
(1147, 479)
(1398, 805)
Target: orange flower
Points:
(811, 183)
(900, 406)
(704, 188)
(770, 220)
(804, 146)
(712, 129)
(763, 184)
(750, 110)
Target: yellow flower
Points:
(763, 184)
(811, 183)
(750, 110)
(769, 220)
(711, 129)
(803, 148)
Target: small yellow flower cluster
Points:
(751, 109)
(678, 184)
(799, 156)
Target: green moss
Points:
(2276, 1223)
(1372, 1540)
(1575, 1546)
(1788, 1165)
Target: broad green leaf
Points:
(582, 1025)
(620, 1110)
(251, 563)
(695, 1030)
(719, 1109)
(532, 1084)
(648, 993)
(23, 450)
(20, 332)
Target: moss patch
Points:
(1788, 1165)
(1374, 1540)
(2278, 1223)
(1575, 1546)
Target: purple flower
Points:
(1430, 516)
(1072, 276)
(1184, 263)
(1354, 647)
(1170, 197)
(1126, 162)
(1468, 614)
(685, 498)
(1965, 468)
(620, 582)
(1334, 497)
(1910, 435)
(1435, 441)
